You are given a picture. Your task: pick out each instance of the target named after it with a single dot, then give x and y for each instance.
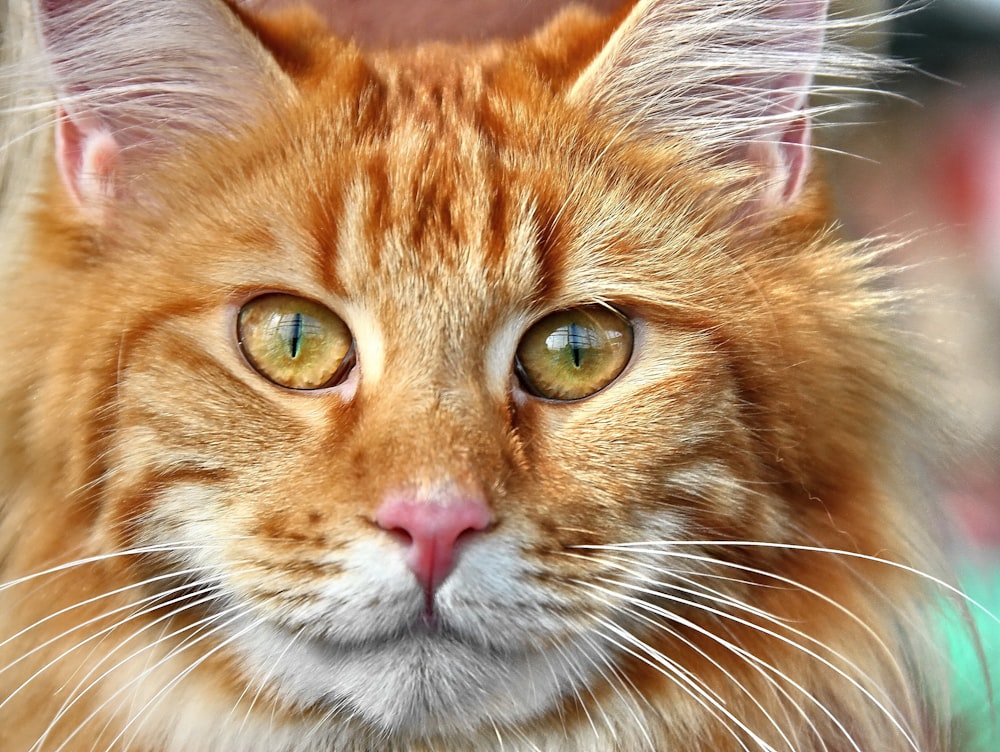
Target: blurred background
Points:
(925, 165)
(928, 168)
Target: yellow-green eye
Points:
(295, 342)
(572, 354)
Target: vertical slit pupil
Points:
(576, 343)
(295, 335)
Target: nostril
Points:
(398, 532)
(431, 530)
(470, 532)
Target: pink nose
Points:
(431, 529)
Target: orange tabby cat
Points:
(501, 397)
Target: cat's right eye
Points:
(295, 342)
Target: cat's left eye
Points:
(575, 353)
(295, 342)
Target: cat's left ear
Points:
(734, 75)
(133, 80)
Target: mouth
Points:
(426, 631)
(426, 673)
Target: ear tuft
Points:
(734, 76)
(133, 79)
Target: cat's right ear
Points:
(133, 79)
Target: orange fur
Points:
(440, 199)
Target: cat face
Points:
(281, 490)
(436, 406)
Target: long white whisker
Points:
(90, 601)
(261, 683)
(733, 680)
(190, 641)
(757, 663)
(156, 606)
(585, 684)
(722, 599)
(158, 697)
(664, 549)
(97, 558)
(713, 704)
(661, 546)
(80, 691)
(727, 673)
(889, 715)
(496, 730)
(629, 695)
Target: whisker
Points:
(708, 699)
(159, 696)
(629, 695)
(880, 705)
(660, 546)
(97, 558)
(79, 691)
(334, 707)
(261, 683)
(757, 663)
(190, 641)
(760, 666)
(496, 730)
(104, 633)
(877, 640)
(581, 682)
(718, 665)
(92, 600)
(147, 668)
(720, 598)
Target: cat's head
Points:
(438, 379)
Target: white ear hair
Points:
(22, 132)
(733, 75)
(132, 78)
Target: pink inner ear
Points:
(794, 150)
(783, 154)
(791, 145)
(87, 154)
